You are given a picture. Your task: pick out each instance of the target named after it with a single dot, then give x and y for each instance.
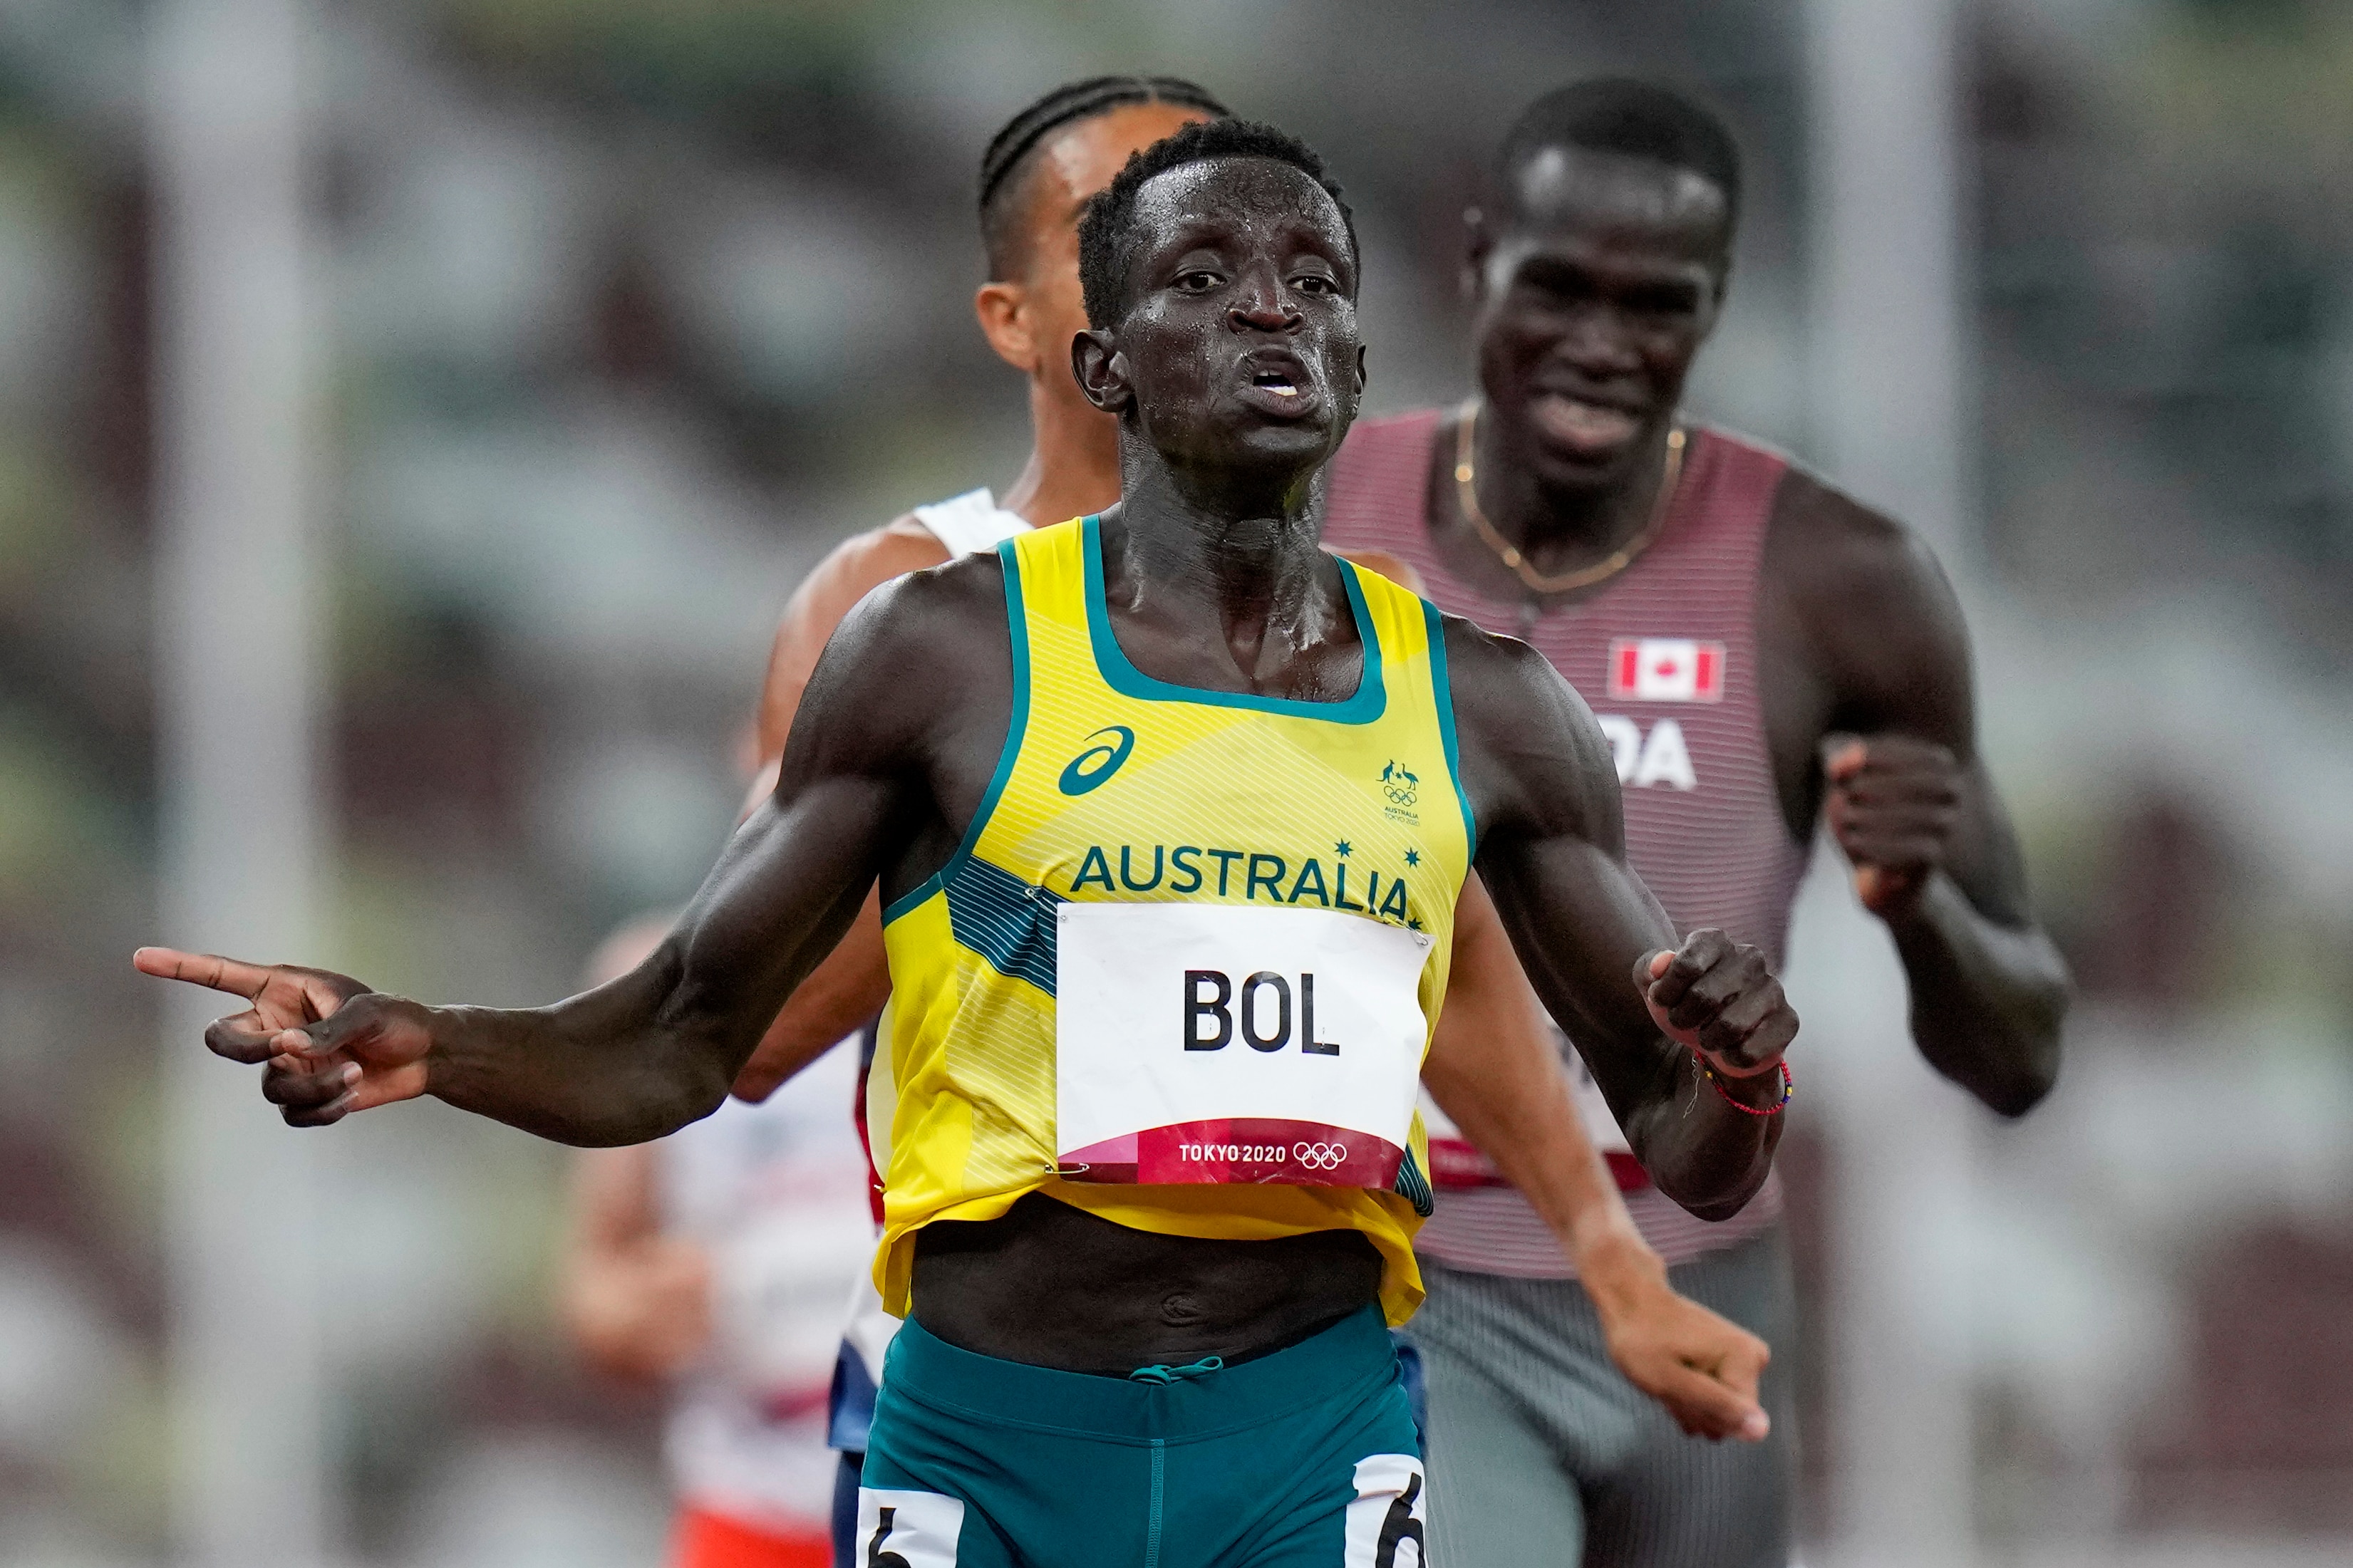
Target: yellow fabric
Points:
(1225, 786)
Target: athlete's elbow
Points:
(691, 1090)
(671, 1088)
(1704, 1187)
(2029, 1068)
(2029, 1080)
(1713, 1201)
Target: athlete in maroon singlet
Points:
(1700, 810)
(1754, 646)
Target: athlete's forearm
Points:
(657, 1048)
(624, 1064)
(1987, 999)
(1514, 1102)
(1699, 1150)
(838, 996)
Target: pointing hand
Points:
(333, 1045)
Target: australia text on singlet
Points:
(1181, 971)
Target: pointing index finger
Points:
(233, 975)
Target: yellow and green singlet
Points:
(1115, 786)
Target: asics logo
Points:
(1099, 761)
(1320, 1156)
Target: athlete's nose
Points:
(1601, 342)
(1259, 307)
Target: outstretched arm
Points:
(657, 1048)
(1909, 800)
(1684, 1036)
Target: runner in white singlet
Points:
(715, 1260)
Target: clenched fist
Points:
(1720, 998)
(1893, 804)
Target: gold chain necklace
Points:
(1467, 492)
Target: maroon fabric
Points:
(1717, 853)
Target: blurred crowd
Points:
(630, 310)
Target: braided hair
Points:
(1005, 167)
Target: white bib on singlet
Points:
(1207, 1043)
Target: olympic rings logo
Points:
(1320, 1156)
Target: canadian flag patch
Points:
(1666, 669)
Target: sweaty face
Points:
(1070, 168)
(1595, 296)
(1239, 335)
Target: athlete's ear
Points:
(1360, 370)
(1723, 290)
(1003, 313)
(1478, 244)
(1101, 371)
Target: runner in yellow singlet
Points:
(1198, 1374)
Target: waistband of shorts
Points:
(1353, 1357)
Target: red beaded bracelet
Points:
(1788, 1088)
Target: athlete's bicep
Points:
(853, 787)
(1891, 644)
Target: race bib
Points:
(1206, 1043)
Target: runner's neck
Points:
(1558, 531)
(1263, 581)
(1073, 467)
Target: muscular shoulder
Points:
(933, 615)
(921, 643)
(1867, 609)
(1532, 757)
(1831, 552)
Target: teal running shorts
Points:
(1302, 1459)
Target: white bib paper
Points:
(1207, 1043)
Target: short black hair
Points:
(1105, 229)
(1631, 118)
(1005, 166)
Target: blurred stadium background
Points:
(539, 346)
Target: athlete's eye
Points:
(1316, 283)
(1197, 281)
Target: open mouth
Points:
(1276, 382)
(1580, 425)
